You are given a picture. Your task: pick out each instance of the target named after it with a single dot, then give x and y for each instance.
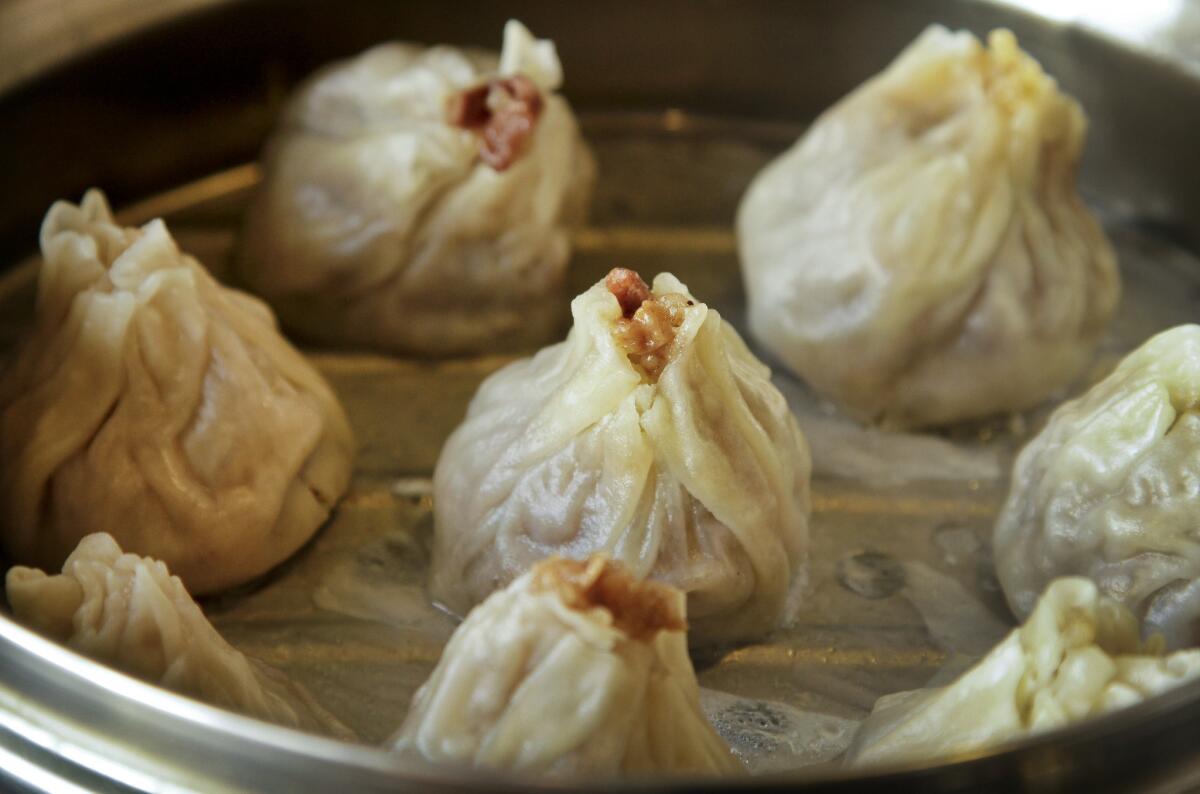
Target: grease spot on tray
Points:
(774, 737)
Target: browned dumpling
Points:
(151, 403)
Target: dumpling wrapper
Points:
(130, 613)
(574, 670)
(378, 224)
(922, 255)
(685, 465)
(1110, 489)
(151, 403)
(1078, 655)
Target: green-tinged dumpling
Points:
(1078, 655)
(575, 670)
(922, 255)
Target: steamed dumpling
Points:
(421, 199)
(922, 254)
(1110, 489)
(575, 669)
(151, 403)
(1077, 656)
(129, 612)
(651, 434)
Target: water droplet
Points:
(871, 574)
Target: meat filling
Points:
(648, 323)
(640, 609)
(503, 114)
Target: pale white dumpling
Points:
(922, 254)
(421, 200)
(1110, 489)
(651, 434)
(575, 669)
(129, 612)
(1078, 655)
(151, 403)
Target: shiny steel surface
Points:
(683, 102)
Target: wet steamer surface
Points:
(900, 588)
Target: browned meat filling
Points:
(647, 327)
(631, 292)
(640, 609)
(503, 113)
